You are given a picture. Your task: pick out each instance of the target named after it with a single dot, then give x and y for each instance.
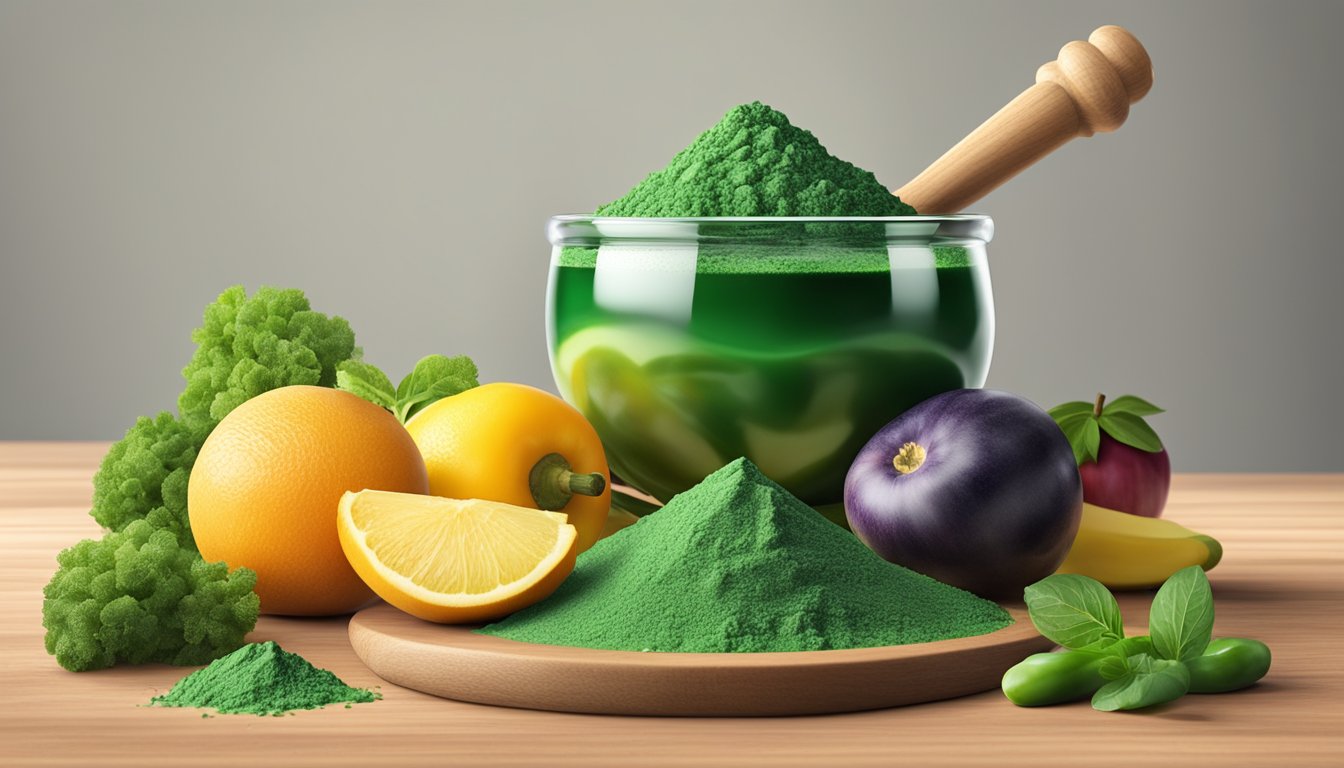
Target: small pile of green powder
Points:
(738, 564)
(261, 679)
(756, 163)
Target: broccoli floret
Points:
(138, 596)
(144, 475)
(246, 347)
(250, 345)
(142, 593)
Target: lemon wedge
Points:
(454, 561)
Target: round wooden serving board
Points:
(456, 663)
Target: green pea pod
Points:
(1053, 678)
(1228, 664)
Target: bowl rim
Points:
(572, 217)
(586, 230)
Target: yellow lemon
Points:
(454, 561)
(519, 445)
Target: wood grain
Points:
(457, 663)
(1282, 580)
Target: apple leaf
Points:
(1092, 439)
(1121, 418)
(1075, 428)
(1131, 430)
(1129, 404)
(1065, 410)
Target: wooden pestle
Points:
(1087, 89)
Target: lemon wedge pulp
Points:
(454, 561)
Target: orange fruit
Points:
(487, 442)
(266, 485)
(452, 560)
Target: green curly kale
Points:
(246, 347)
(142, 593)
(138, 596)
(250, 345)
(144, 476)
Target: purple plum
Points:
(974, 487)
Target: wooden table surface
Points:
(1281, 581)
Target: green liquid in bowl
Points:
(687, 357)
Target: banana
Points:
(1125, 551)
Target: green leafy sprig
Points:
(433, 378)
(1081, 615)
(1121, 418)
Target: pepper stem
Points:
(1096, 409)
(553, 483)
(590, 484)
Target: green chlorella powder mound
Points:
(738, 564)
(756, 163)
(261, 679)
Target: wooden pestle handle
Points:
(1087, 89)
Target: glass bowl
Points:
(690, 342)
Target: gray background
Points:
(398, 162)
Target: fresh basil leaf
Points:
(452, 385)
(1113, 667)
(411, 380)
(1181, 619)
(1064, 410)
(434, 378)
(1149, 682)
(1074, 611)
(437, 391)
(1131, 430)
(417, 403)
(366, 381)
(433, 368)
(1132, 646)
(1131, 404)
(1075, 427)
(1091, 441)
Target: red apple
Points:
(1120, 458)
(1127, 479)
